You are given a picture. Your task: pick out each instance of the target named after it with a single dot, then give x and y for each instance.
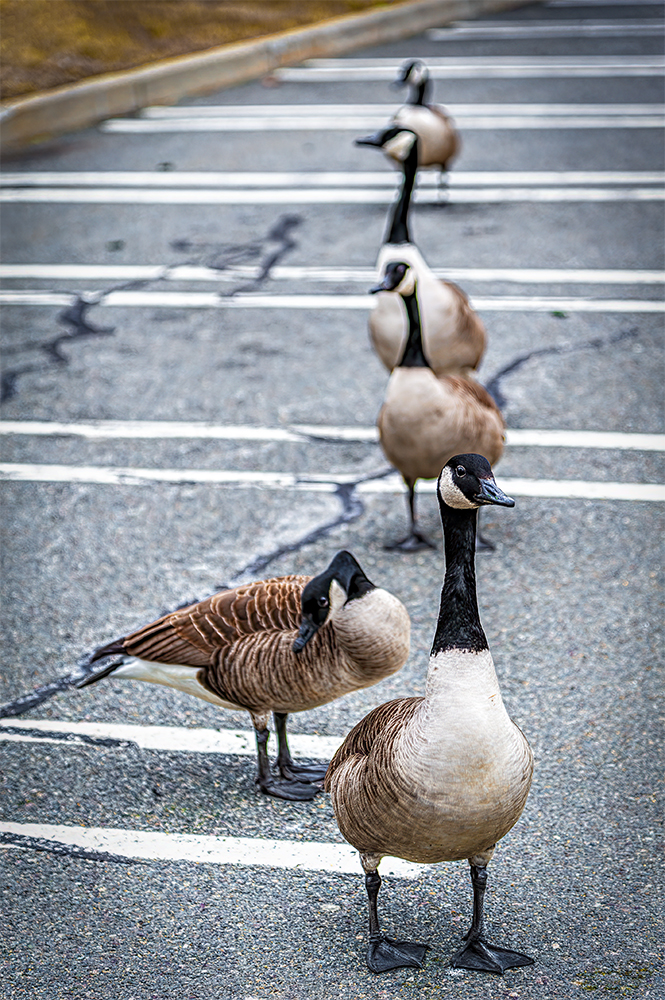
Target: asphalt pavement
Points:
(229, 306)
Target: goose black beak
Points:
(370, 140)
(491, 494)
(307, 630)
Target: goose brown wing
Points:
(376, 735)
(476, 392)
(195, 635)
(469, 324)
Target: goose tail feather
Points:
(111, 649)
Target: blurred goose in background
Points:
(453, 333)
(424, 419)
(281, 645)
(438, 141)
(444, 777)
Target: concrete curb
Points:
(66, 109)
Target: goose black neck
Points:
(419, 93)
(398, 230)
(459, 622)
(414, 354)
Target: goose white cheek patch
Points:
(400, 145)
(452, 494)
(337, 597)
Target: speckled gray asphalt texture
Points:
(569, 598)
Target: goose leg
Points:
(279, 788)
(442, 189)
(287, 766)
(477, 953)
(415, 540)
(383, 953)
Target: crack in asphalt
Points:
(596, 343)
(268, 251)
(69, 850)
(76, 738)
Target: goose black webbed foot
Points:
(414, 542)
(384, 954)
(303, 772)
(481, 956)
(293, 791)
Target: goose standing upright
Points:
(444, 777)
(424, 419)
(438, 140)
(453, 333)
(281, 645)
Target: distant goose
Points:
(424, 419)
(444, 777)
(281, 645)
(438, 141)
(453, 333)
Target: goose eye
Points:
(323, 602)
(460, 471)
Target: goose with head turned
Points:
(281, 645)
(453, 334)
(445, 776)
(424, 419)
(438, 141)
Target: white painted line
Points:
(602, 3)
(211, 300)
(321, 196)
(269, 123)
(171, 738)
(323, 483)
(385, 111)
(245, 851)
(105, 430)
(479, 30)
(477, 67)
(356, 275)
(321, 179)
(610, 440)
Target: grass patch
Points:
(48, 43)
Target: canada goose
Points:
(444, 777)
(282, 645)
(424, 419)
(438, 140)
(453, 333)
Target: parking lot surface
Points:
(184, 327)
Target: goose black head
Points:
(466, 482)
(324, 595)
(397, 277)
(412, 71)
(393, 140)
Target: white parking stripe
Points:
(479, 30)
(270, 123)
(386, 111)
(245, 851)
(321, 179)
(312, 483)
(211, 300)
(105, 430)
(171, 738)
(359, 275)
(315, 196)
(477, 67)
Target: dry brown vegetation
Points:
(47, 43)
